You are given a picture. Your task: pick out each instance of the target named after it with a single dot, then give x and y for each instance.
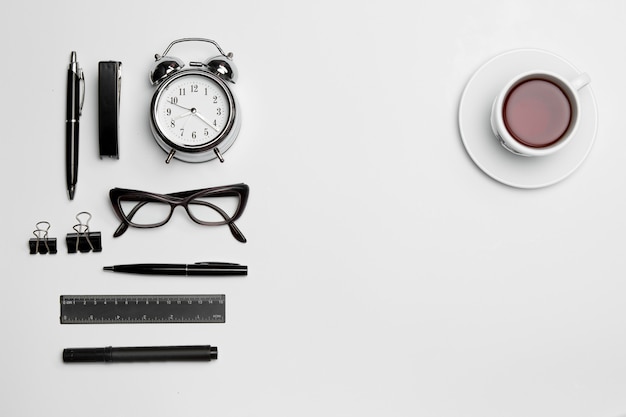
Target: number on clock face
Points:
(192, 110)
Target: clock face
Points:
(192, 111)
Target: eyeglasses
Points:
(214, 206)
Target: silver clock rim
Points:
(207, 147)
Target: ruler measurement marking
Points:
(96, 309)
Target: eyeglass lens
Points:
(210, 210)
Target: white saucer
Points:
(487, 152)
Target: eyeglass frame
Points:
(183, 198)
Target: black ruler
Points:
(103, 309)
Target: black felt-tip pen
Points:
(197, 269)
(141, 354)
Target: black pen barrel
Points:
(73, 96)
(224, 270)
(151, 269)
(72, 127)
(141, 354)
(71, 153)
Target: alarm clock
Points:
(194, 115)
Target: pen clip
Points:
(216, 263)
(81, 78)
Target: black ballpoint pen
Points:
(74, 106)
(197, 269)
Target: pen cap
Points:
(164, 353)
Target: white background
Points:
(388, 274)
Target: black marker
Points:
(141, 354)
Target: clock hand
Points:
(201, 117)
(178, 105)
(182, 115)
(186, 121)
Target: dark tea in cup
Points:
(537, 113)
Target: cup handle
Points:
(581, 81)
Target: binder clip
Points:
(41, 243)
(83, 240)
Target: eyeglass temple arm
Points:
(231, 224)
(123, 227)
(236, 232)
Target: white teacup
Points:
(537, 112)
